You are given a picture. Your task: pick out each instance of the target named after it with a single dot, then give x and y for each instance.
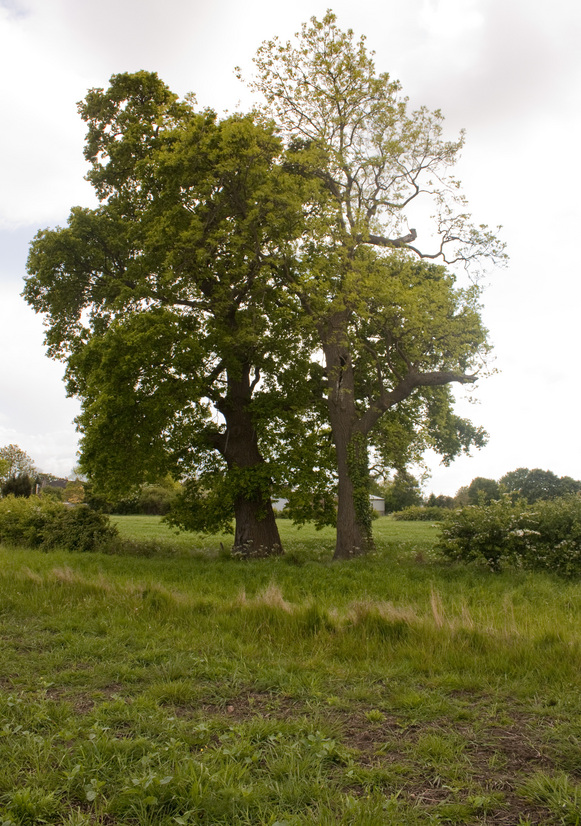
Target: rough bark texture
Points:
(353, 536)
(350, 427)
(256, 531)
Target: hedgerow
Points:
(417, 513)
(46, 523)
(543, 536)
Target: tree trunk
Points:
(256, 531)
(353, 529)
(353, 507)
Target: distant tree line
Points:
(403, 491)
(402, 494)
(18, 475)
(530, 485)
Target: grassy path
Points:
(189, 688)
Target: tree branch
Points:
(404, 389)
(255, 380)
(382, 241)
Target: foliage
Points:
(52, 492)
(153, 499)
(461, 498)
(22, 520)
(403, 491)
(74, 492)
(394, 328)
(512, 482)
(46, 523)
(15, 462)
(324, 92)
(440, 501)
(78, 529)
(166, 300)
(536, 484)
(421, 513)
(204, 504)
(20, 485)
(45, 479)
(481, 490)
(546, 535)
(189, 303)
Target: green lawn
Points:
(190, 688)
(306, 540)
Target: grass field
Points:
(190, 688)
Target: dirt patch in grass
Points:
(246, 705)
(82, 702)
(493, 764)
(456, 768)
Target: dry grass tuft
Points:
(438, 613)
(27, 573)
(359, 612)
(66, 576)
(271, 597)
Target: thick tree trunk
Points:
(256, 531)
(353, 516)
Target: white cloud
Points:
(34, 411)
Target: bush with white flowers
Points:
(543, 536)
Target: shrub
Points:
(46, 523)
(52, 492)
(282, 514)
(151, 500)
(22, 521)
(544, 536)
(155, 500)
(78, 529)
(129, 505)
(555, 543)
(20, 485)
(417, 513)
(481, 533)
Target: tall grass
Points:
(193, 688)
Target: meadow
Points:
(180, 686)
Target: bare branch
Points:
(382, 241)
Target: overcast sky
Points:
(508, 71)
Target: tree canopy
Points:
(391, 324)
(15, 462)
(537, 484)
(483, 491)
(165, 302)
(227, 257)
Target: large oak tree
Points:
(165, 302)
